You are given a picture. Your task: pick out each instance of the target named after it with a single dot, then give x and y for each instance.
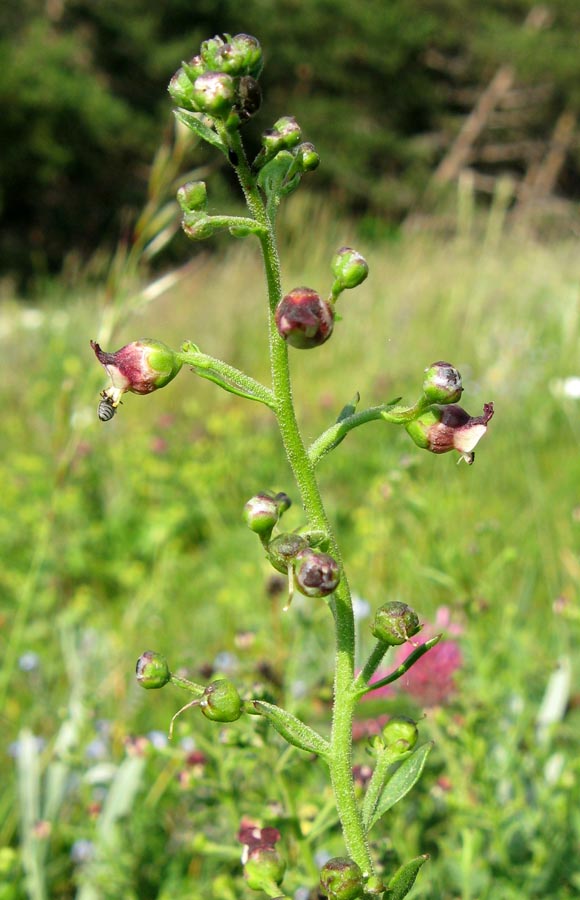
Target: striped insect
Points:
(106, 409)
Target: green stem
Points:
(340, 757)
(389, 412)
(420, 651)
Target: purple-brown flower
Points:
(139, 367)
(449, 427)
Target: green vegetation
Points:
(376, 86)
(121, 537)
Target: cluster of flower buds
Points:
(312, 572)
(140, 367)
(443, 425)
(221, 81)
(303, 319)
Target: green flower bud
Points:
(181, 89)
(304, 319)
(443, 428)
(341, 879)
(284, 135)
(152, 670)
(442, 383)
(264, 869)
(261, 514)
(307, 157)
(192, 196)
(283, 550)
(241, 55)
(214, 93)
(140, 367)
(284, 502)
(349, 268)
(316, 574)
(395, 623)
(210, 53)
(400, 733)
(221, 702)
(247, 49)
(194, 68)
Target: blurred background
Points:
(450, 148)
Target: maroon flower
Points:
(253, 836)
(304, 319)
(139, 367)
(449, 427)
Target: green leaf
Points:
(292, 729)
(401, 782)
(195, 123)
(404, 878)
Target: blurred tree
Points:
(374, 85)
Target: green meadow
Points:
(124, 536)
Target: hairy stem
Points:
(340, 757)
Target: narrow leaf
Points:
(404, 879)
(401, 782)
(195, 123)
(292, 729)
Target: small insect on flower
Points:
(106, 409)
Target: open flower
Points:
(139, 367)
(449, 427)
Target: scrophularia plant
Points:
(216, 92)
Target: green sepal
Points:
(290, 728)
(404, 879)
(195, 122)
(399, 784)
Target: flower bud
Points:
(261, 513)
(264, 868)
(283, 550)
(248, 50)
(303, 319)
(194, 68)
(395, 623)
(152, 670)
(284, 134)
(283, 501)
(307, 157)
(316, 574)
(221, 702)
(214, 93)
(192, 196)
(443, 428)
(181, 89)
(400, 733)
(442, 383)
(241, 55)
(349, 268)
(341, 879)
(140, 367)
(210, 52)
